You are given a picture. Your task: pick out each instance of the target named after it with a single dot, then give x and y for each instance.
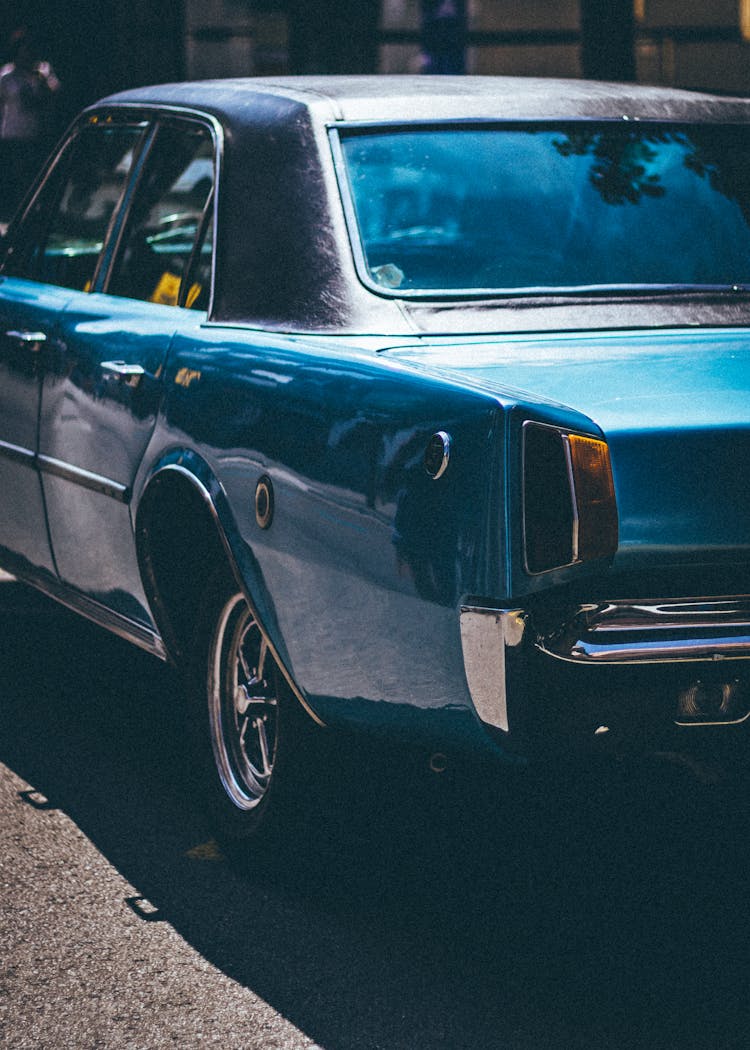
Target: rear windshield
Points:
(563, 207)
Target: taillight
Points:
(569, 508)
(594, 492)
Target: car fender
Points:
(194, 469)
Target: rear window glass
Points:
(564, 206)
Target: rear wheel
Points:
(243, 702)
(248, 729)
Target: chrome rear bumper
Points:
(641, 632)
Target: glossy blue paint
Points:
(25, 307)
(360, 579)
(164, 457)
(94, 422)
(673, 406)
(647, 380)
(362, 572)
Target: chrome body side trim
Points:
(49, 465)
(17, 453)
(93, 610)
(655, 631)
(85, 478)
(486, 634)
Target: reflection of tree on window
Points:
(621, 164)
(624, 162)
(555, 206)
(726, 171)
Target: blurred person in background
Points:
(28, 87)
(443, 36)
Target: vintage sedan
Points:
(416, 407)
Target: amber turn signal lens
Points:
(595, 497)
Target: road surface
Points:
(122, 926)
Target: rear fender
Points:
(195, 472)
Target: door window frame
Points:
(165, 116)
(151, 119)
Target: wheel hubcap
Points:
(243, 705)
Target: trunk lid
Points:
(674, 407)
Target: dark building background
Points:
(102, 46)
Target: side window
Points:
(61, 237)
(166, 249)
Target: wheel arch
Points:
(184, 529)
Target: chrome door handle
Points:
(130, 375)
(33, 340)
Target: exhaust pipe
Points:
(713, 702)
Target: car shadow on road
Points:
(426, 913)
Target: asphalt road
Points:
(402, 926)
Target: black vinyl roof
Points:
(284, 261)
(399, 98)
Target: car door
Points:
(103, 385)
(53, 252)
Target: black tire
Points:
(249, 732)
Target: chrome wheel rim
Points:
(243, 705)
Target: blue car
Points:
(409, 407)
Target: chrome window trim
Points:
(209, 211)
(542, 292)
(134, 115)
(216, 128)
(350, 217)
(113, 240)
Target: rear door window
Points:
(166, 249)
